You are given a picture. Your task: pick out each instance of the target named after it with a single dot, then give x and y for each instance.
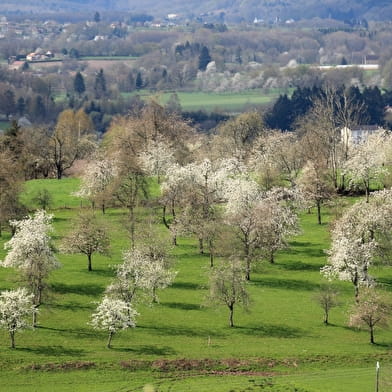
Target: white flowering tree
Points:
(16, 306)
(208, 181)
(243, 195)
(316, 186)
(144, 269)
(157, 158)
(357, 239)
(278, 223)
(276, 156)
(87, 237)
(367, 159)
(30, 251)
(97, 180)
(113, 315)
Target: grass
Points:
(231, 102)
(180, 344)
(4, 125)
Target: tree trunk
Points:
(201, 246)
(103, 208)
(164, 220)
(154, 295)
(132, 227)
(231, 314)
(272, 258)
(326, 317)
(372, 335)
(247, 276)
(12, 336)
(211, 250)
(90, 267)
(35, 316)
(319, 212)
(110, 339)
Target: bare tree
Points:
(228, 286)
(370, 311)
(327, 298)
(87, 237)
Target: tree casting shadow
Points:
(57, 351)
(273, 330)
(83, 289)
(286, 284)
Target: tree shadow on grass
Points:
(385, 283)
(273, 331)
(102, 272)
(57, 351)
(82, 289)
(73, 306)
(308, 252)
(182, 306)
(180, 331)
(81, 333)
(300, 266)
(186, 286)
(286, 284)
(147, 350)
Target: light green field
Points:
(4, 125)
(182, 345)
(230, 102)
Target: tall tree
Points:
(72, 139)
(204, 58)
(100, 85)
(371, 311)
(228, 286)
(87, 237)
(78, 84)
(30, 250)
(15, 307)
(113, 315)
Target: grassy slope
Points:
(191, 101)
(284, 324)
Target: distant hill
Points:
(220, 10)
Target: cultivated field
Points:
(180, 344)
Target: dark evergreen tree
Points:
(7, 102)
(100, 85)
(79, 85)
(25, 66)
(204, 58)
(97, 17)
(21, 106)
(139, 81)
(280, 116)
(374, 103)
(74, 53)
(39, 109)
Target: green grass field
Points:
(4, 125)
(228, 102)
(181, 345)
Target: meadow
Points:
(181, 343)
(225, 102)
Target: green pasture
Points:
(4, 125)
(180, 344)
(227, 102)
